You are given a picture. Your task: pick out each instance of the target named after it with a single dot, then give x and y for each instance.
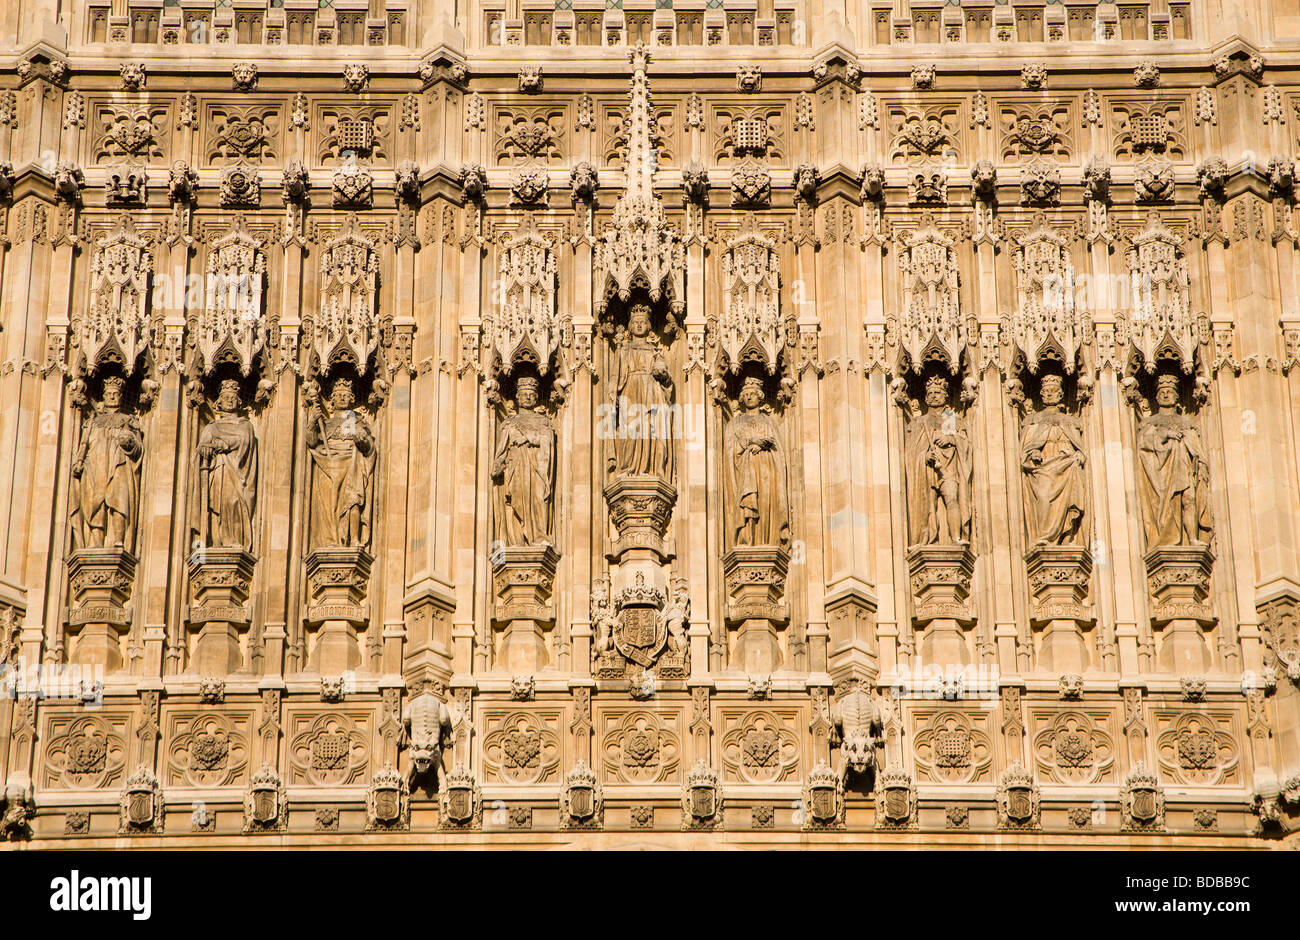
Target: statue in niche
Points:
(643, 390)
(227, 490)
(106, 474)
(1175, 475)
(940, 471)
(524, 470)
(1053, 458)
(343, 452)
(757, 511)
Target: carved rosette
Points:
(1058, 582)
(1178, 577)
(523, 577)
(337, 579)
(941, 581)
(755, 579)
(100, 580)
(641, 508)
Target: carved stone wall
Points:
(650, 424)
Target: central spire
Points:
(639, 248)
(640, 166)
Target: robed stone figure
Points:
(222, 504)
(343, 452)
(1053, 460)
(524, 471)
(106, 475)
(644, 396)
(1175, 475)
(940, 468)
(755, 499)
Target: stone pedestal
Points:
(1058, 585)
(337, 579)
(100, 580)
(755, 580)
(941, 579)
(1178, 577)
(523, 578)
(640, 508)
(219, 585)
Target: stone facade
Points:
(630, 423)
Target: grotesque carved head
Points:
(858, 752)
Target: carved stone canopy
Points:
(932, 327)
(526, 325)
(116, 326)
(1044, 322)
(751, 328)
(230, 327)
(1161, 325)
(348, 326)
(639, 247)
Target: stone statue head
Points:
(228, 396)
(526, 392)
(113, 389)
(1168, 392)
(751, 393)
(638, 321)
(342, 396)
(1052, 389)
(936, 390)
